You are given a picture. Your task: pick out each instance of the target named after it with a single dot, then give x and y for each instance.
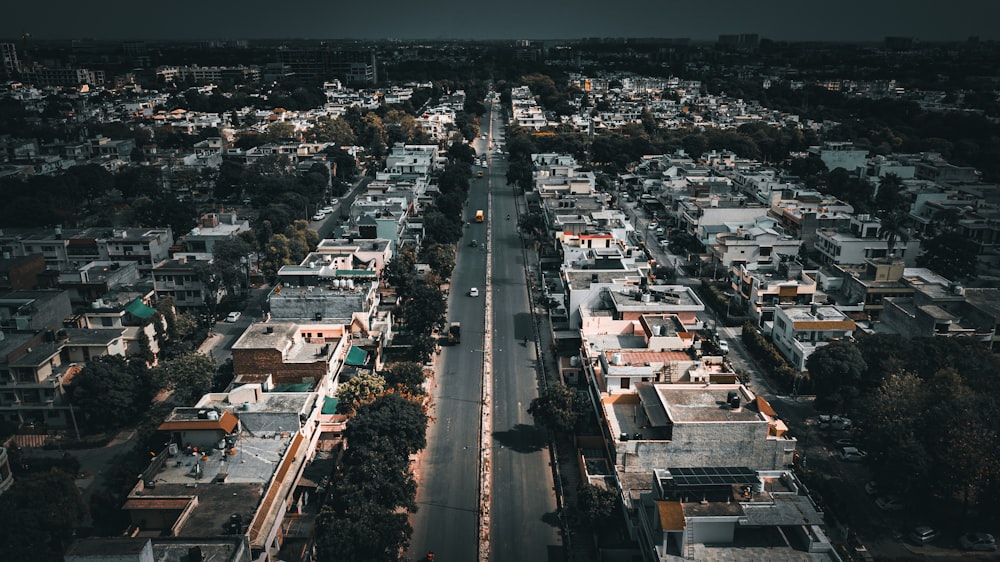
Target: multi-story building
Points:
(868, 285)
(10, 64)
(180, 280)
(837, 154)
(39, 357)
(800, 330)
(293, 352)
(214, 228)
(20, 272)
(760, 290)
(324, 63)
(71, 77)
(68, 249)
(234, 466)
(759, 243)
(862, 241)
(144, 549)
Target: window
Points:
(626, 383)
(106, 321)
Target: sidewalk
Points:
(563, 457)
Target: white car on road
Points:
(233, 316)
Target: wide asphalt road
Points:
(525, 522)
(448, 471)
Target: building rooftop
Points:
(656, 298)
(694, 403)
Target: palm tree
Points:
(892, 228)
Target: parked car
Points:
(841, 423)
(325, 210)
(724, 346)
(319, 217)
(890, 503)
(922, 534)
(977, 541)
(833, 421)
(845, 443)
(852, 454)
(233, 316)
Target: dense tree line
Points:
(40, 510)
(421, 302)
(923, 409)
(366, 515)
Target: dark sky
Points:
(502, 19)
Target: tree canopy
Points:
(558, 407)
(358, 391)
(110, 392)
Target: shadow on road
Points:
(522, 438)
(552, 519)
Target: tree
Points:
(375, 473)
(949, 254)
(110, 392)
(400, 126)
(289, 248)
(440, 228)
(364, 533)
(402, 421)
(596, 504)
(406, 375)
(836, 371)
(189, 376)
(37, 516)
(893, 227)
(889, 198)
(893, 420)
(424, 311)
(229, 263)
(558, 408)
(401, 271)
(960, 443)
(440, 258)
(279, 131)
(93, 179)
(358, 391)
(332, 130)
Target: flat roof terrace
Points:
(696, 403)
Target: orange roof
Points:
(226, 422)
(73, 371)
(671, 515)
(643, 357)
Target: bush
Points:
(764, 352)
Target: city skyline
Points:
(790, 20)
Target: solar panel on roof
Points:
(712, 476)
